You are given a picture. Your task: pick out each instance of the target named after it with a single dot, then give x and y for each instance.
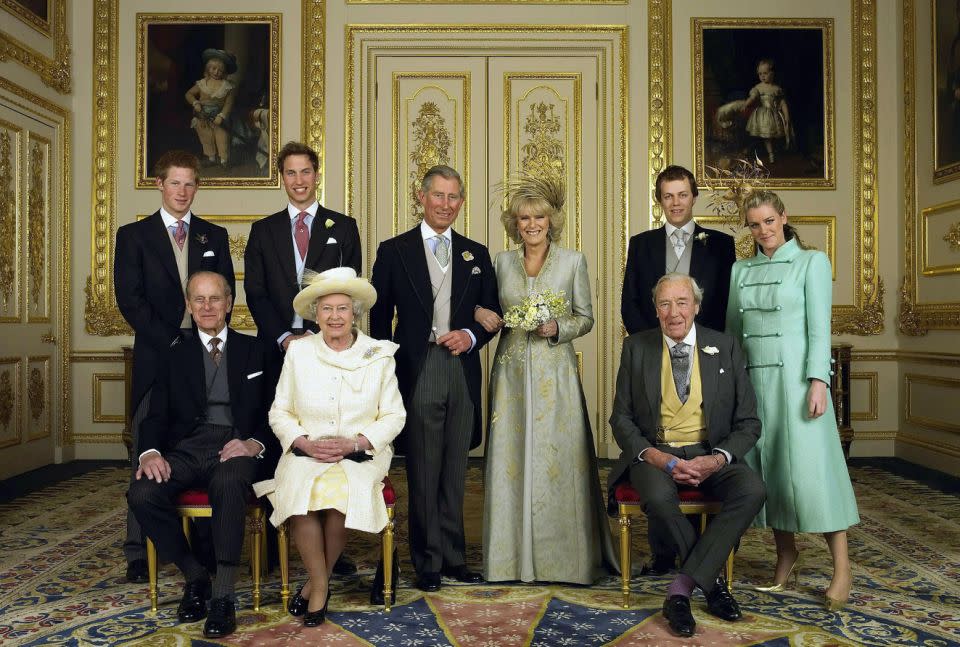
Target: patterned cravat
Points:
(681, 365)
(441, 251)
(679, 241)
(179, 233)
(301, 234)
(215, 352)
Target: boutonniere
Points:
(702, 237)
(328, 223)
(467, 256)
(475, 270)
(710, 350)
(201, 238)
(370, 352)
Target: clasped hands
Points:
(330, 449)
(156, 468)
(691, 472)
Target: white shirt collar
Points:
(170, 220)
(205, 338)
(294, 212)
(690, 339)
(427, 232)
(689, 228)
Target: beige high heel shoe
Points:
(837, 604)
(774, 588)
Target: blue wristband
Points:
(668, 468)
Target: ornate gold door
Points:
(29, 313)
(490, 117)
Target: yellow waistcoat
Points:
(683, 423)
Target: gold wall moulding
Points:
(909, 380)
(463, 2)
(548, 137)
(951, 238)
(659, 107)
(914, 317)
(10, 137)
(873, 384)
(164, 43)
(39, 393)
(101, 314)
(98, 380)
(38, 229)
(940, 447)
(54, 70)
(10, 402)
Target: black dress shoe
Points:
(376, 588)
(661, 565)
(222, 620)
(137, 571)
(676, 609)
(344, 566)
(297, 605)
(721, 604)
(193, 604)
(318, 617)
(429, 582)
(462, 574)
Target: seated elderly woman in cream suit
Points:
(336, 411)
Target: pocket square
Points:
(475, 270)
(207, 253)
(253, 375)
(331, 241)
(721, 370)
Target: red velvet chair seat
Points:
(198, 497)
(389, 494)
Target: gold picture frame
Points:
(785, 118)
(234, 129)
(53, 70)
(945, 65)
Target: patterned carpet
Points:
(61, 583)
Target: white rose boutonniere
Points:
(710, 350)
(328, 223)
(702, 237)
(467, 256)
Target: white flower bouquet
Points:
(536, 309)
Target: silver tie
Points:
(680, 361)
(441, 251)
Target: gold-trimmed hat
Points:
(338, 280)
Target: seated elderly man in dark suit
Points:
(684, 414)
(207, 427)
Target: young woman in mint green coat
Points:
(780, 309)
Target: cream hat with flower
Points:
(338, 280)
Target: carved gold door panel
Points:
(490, 117)
(28, 298)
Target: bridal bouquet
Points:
(536, 309)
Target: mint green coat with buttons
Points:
(780, 310)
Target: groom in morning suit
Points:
(153, 259)
(207, 427)
(304, 235)
(684, 414)
(433, 279)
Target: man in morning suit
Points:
(680, 245)
(154, 257)
(207, 427)
(302, 236)
(433, 279)
(684, 414)
(683, 246)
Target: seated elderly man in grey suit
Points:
(684, 415)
